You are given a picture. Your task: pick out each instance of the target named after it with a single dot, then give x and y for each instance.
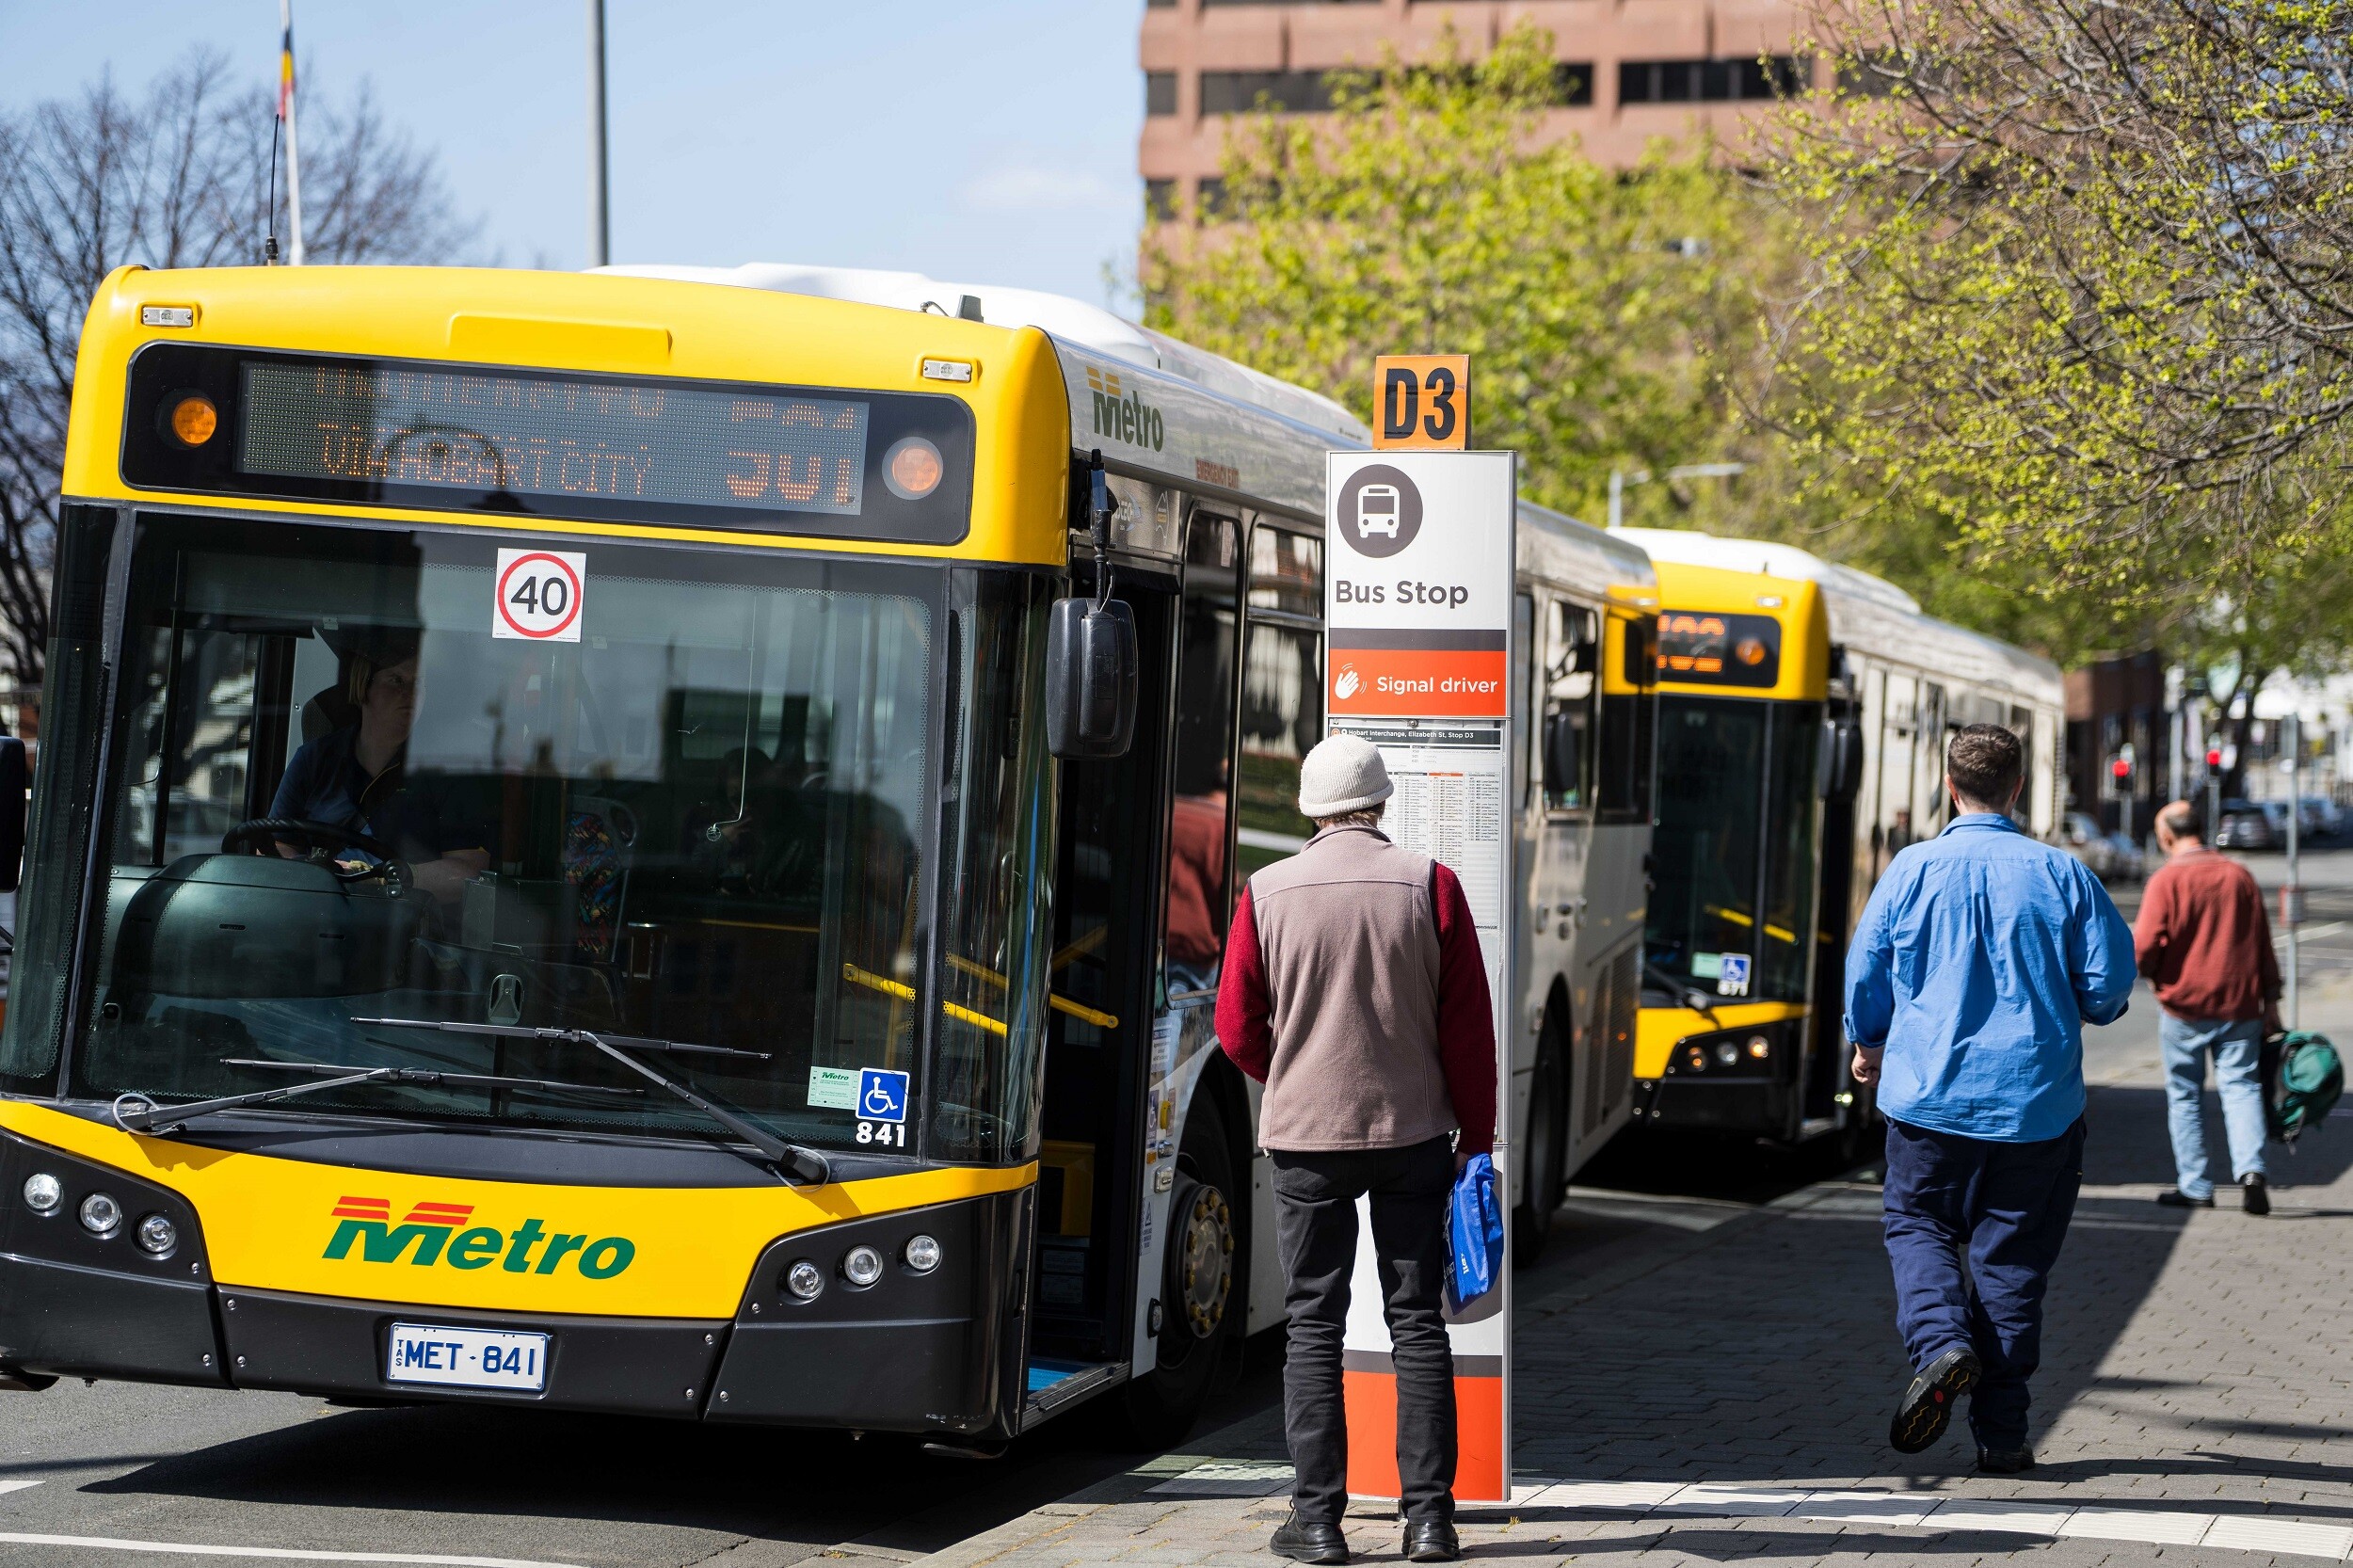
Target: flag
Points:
(285, 71)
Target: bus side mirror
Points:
(12, 806)
(1842, 759)
(1092, 678)
(1563, 753)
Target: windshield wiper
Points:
(137, 1113)
(791, 1161)
(1690, 996)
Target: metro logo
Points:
(429, 1234)
(1124, 417)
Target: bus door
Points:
(1100, 1030)
(1834, 906)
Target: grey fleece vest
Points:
(1350, 938)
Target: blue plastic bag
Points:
(1474, 1234)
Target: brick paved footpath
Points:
(2194, 1404)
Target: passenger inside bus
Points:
(356, 776)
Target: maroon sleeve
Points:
(1467, 1025)
(1243, 1007)
(2155, 927)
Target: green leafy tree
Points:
(1424, 214)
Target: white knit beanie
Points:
(1342, 774)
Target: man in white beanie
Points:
(1354, 991)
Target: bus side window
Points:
(1282, 694)
(1202, 755)
(1629, 721)
(1572, 686)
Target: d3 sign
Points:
(1421, 402)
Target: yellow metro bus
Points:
(1802, 713)
(549, 885)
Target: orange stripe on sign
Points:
(1372, 1437)
(1418, 681)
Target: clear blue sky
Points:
(984, 141)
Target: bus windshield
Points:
(346, 786)
(1737, 809)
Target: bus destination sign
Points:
(882, 465)
(481, 430)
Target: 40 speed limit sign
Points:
(538, 594)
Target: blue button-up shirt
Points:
(1980, 958)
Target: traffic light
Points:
(2121, 775)
(2214, 759)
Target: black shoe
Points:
(1304, 1543)
(2255, 1194)
(1433, 1541)
(2005, 1461)
(2173, 1197)
(1928, 1406)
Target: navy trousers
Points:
(1972, 1230)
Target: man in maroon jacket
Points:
(2204, 941)
(1354, 989)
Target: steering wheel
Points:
(260, 835)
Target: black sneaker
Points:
(2255, 1194)
(2173, 1197)
(1305, 1543)
(1928, 1406)
(2005, 1461)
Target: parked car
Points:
(2080, 836)
(2323, 817)
(2126, 861)
(2248, 824)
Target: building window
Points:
(1160, 200)
(1240, 91)
(1160, 92)
(1209, 196)
(1573, 84)
(1710, 81)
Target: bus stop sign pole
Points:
(1417, 603)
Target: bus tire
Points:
(1197, 1289)
(1541, 1186)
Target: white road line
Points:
(107, 1543)
(8, 1486)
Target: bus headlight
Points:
(861, 1265)
(1726, 1052)
(44, 1192)
(100, 1214)
(1759, 1048)
(923, 1254)
(158, 1236)
(805, 1280)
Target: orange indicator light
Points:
(194, 419)
(1750, 650)
(913, 469)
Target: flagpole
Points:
(286, 111)
(599, 222)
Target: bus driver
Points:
(356, 776)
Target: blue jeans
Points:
(2237, 1047)
(1973, 1229)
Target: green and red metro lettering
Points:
(438, 1233)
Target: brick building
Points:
(1630, 70)
(2111, 704)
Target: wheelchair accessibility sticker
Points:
(1733, 979)
(882, 1107)
(881, 1096)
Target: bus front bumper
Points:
(936, 1352)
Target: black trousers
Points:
(1315, 1215)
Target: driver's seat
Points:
(328, 709)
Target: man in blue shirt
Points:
(1977, 961)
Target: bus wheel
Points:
(1547, 1127)
(1197, 1309)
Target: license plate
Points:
(468, 1357)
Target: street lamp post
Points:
(600, 225)
(1618, 482)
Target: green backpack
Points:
(2302, 1078)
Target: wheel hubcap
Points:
(1205, 1258)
